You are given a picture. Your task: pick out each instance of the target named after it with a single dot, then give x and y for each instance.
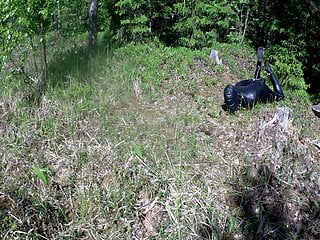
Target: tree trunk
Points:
(93, 11)
(45, 61)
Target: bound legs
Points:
(275, 83)
(259, 62)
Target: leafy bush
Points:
(288, 68)
(192, 24)
(202, 22)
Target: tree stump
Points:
(278, 130)
(283, 117)
(215, 56)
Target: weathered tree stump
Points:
(279, 131)
(283, 130)
(215, 56)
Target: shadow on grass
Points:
(266, 212)
(209, 230)
(68, 64)
(77, 63)
(72, 64)
(24, 214)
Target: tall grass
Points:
(135, 145)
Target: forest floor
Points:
(138, 146)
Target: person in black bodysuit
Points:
(247, 92)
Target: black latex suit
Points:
(247, 92)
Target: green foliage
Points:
(297, 22)
(23, 28)
(194, 24)
(22, 20)
(288, 68)
(203, 22)
(213, 111)
(71, 17)
(137, 150)
(41, 173)
(135, 19)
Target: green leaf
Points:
(41, 174)
(137, 150)
(232, 223)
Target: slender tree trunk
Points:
(241, 16)
(34, 57)
(58, 18)
(45, 61)
(93, 12)
(245, 25)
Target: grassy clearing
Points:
(138, 147)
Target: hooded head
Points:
(231, 98)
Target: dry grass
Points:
(126, 163)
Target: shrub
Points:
(288, 68)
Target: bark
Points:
(280, 130)
(93, 12)
(44, 82)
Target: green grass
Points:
(136, 145)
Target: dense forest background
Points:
(289, 29)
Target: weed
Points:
(213, 111)
(41, 173)
(209, 81)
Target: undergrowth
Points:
(136, 145)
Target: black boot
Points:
(268, 67)
(275, 83)
(316, 109)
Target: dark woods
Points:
(295, 23)
(284, 26)
(289, 29)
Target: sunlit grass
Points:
(135, 145)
